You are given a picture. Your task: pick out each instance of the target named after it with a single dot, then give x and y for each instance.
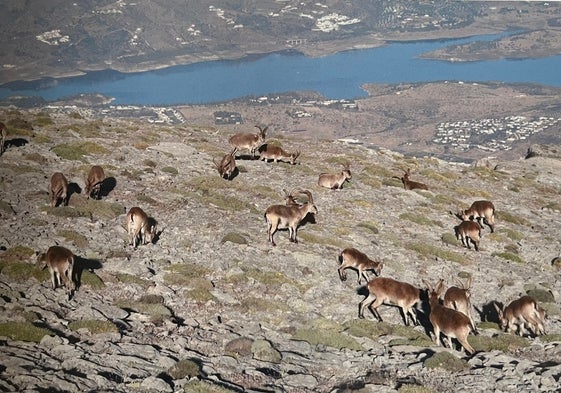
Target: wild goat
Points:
(335, 180)
(94, 181)
(384, 290)
(276, 153)
(3, 137)
(249, 141)
(522, 313)
(60, 262)
(354, 259)
(410, 184)
(140, 227)
(283, 216)
(452, 323)
(227, 165)
(468, 231)
(458, 298)
(480, 210)
(59, 189)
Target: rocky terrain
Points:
(211, 306)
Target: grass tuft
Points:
(23, 331)
(94, 326)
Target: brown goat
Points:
(60, 262)
(354, 259)
(384, 290)
(410, 184)
(227, 166)
(94, 181)
(276, 153)
(249, 141)
(458, 298)
(140, 227)
(468, 231)
(480, 210)
(522, 313)
(283, 216)
(335, 181)
(452, 323)
(59, 189)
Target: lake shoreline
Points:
(316, 50)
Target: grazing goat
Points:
(227, 166)
(276, 153)
(60, 262)
(480, 210)
(283, 216)
(59, 189)
(458, 298)
(140, 227)
(384, 290)
(452, 323)
(94, 181)
(335, 180)
(3, 136)
(468, 231)
(249, 141)
(354, 259)
(410, 184)
(522, 313)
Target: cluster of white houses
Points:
(490, 134)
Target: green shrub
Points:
(92, 280)
(21, 271)
(185, 368)
(171, 170)
(234, 237)
(501, 342)
(23, 331)
(197, 386)
(509, 256)
(418, 219)
(72, 236)
(16, 254)
(184, 274)
(94, 326)
(512, 218)
(428, 251)
(325, 332)
(446, 361)
(370, 226)
(408, 388)
(134, 280)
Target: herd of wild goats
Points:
(452, 317)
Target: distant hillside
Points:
(56, 38)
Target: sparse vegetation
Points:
(324, 332)
(509, 256)
(94, 326)
(23, 331)
(428, 251)
(445, 360)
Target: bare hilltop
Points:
(212, 306)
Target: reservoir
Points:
(337, 76)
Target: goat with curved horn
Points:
(283, 216)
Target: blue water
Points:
(338, 76)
